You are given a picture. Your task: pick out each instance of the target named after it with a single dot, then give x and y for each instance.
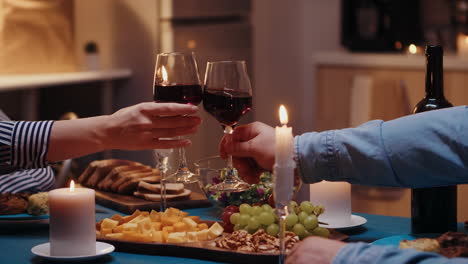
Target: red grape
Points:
(228, 228)
(233, 208)
(226, 215)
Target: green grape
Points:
(245, 208)
(292, 204)
(292, 207)
(319, 209)
(253, 223)
(273, 230)
(291, 220)
(307, 207)
(237, 227)
(305, 234)
(310, 222)
(234, 218)
(302, 216)
(299, 229)
(256, 210)
(266, 218)
(244, 219)
(267, 208)
(321, 231)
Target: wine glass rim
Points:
(227, 62)
(176, 53)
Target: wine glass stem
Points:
(163, 205)
(182, 158)
(228, 131)
(281, 212)
(163, 167)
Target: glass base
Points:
(230, 186)
(183, 175)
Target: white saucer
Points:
(43, 250)
(354, 222)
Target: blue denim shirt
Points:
(421, 150)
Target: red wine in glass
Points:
(178, 93)
(227, 106)
(176, 80)
(227, 96)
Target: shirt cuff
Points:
(29, 144)
(315, 156)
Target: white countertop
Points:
(31, 81)
(343, 58)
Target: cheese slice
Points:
(215, 230)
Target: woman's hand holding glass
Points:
(176, 79)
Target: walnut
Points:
(260, 241)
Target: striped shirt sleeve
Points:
(33, 180)
(23, 150)
(23, 144)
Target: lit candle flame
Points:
(283, 115)
(412, 49)
(164, 74)
(72, 186)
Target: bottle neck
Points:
(434, 77)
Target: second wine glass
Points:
(176, 80)
(227, 95)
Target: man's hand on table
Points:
(315, 250)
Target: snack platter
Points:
(205, 250)
(200, 250)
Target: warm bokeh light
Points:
(398, 45)
(412, 49)
(283, 115)
(191, 44)
(164, 74)
(466, 39)
(72, 186)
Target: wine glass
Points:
(227, 95)
(176, 80)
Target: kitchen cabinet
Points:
(396, 85)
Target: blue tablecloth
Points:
(16, 242)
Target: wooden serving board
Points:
(205, 250)
(127, 204)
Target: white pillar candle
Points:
(284, 163)
(72, 227)
(336, 198)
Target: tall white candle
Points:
(72, 227)
(284, 163)
(336, 198)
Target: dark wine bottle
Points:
(434, 210)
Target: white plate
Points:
(43, 250)
(354, 222)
